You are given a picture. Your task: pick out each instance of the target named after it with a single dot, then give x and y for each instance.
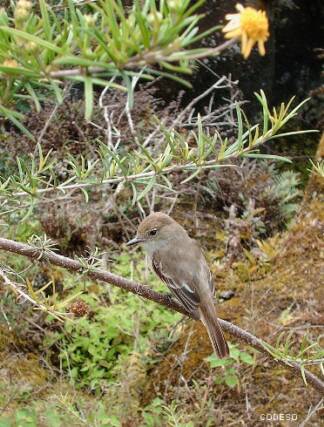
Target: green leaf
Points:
(34, 97)
(170, 76)
(266, 156)
(205, 33)
(297, 132)
(86, 195)
(46, 21)
(192, 176)
(31, 38)
(145, 32)
(246, 358)
(266, 113)
(231, 380)
(176, 68)
(73, 15)
(240, 126)
(215, 362)
(15, 118)
(146, 190)
(88, 94)
(112, 21)
(235, 353)
(80, 62)
(19, 71)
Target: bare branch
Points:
(145, 292)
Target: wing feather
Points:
(182, 291)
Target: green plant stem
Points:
(142, 60)
(145, 292)
(166, 171)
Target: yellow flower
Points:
(10, 63)
(24, 4)
(22, 11)
(251, 25)
(90, 19)
(21, 14)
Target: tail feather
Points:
(216, 336)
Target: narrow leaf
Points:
(88, 94)
(31, 38)
(267, 156)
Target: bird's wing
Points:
(182, 290)
(205, 269)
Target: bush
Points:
(91, 348)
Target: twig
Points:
(143, 59)
(107, 116)
(6, 318)
(23, 294)
(48, 121)
(145, 292)
(51, 116)
(188, 108)
(312, 411)
(176, 168)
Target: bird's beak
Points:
(135, 241)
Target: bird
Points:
(180, 263)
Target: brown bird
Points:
(179, 262)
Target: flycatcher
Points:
(180, 264)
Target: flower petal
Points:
(233, 34)
(231, 26)
(261, 47)
(249, 45)
(231, 16)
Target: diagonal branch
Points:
(145, 292)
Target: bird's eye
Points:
(153, 232)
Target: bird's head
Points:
(154, 231)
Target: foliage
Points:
(101, 41)
(261, 200)
(160, 413)
(229, 374)
(60, 410)
(142, 169)
(307, 353)
(91, 347)
(318, 168)
(285, 192)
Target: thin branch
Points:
(143, 59)
(190, 166)
(24, 295)
(219, 84)
(50, 117)
(312, 411)
(145, 292)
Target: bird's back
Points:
(184, 263)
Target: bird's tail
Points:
(209, 319)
